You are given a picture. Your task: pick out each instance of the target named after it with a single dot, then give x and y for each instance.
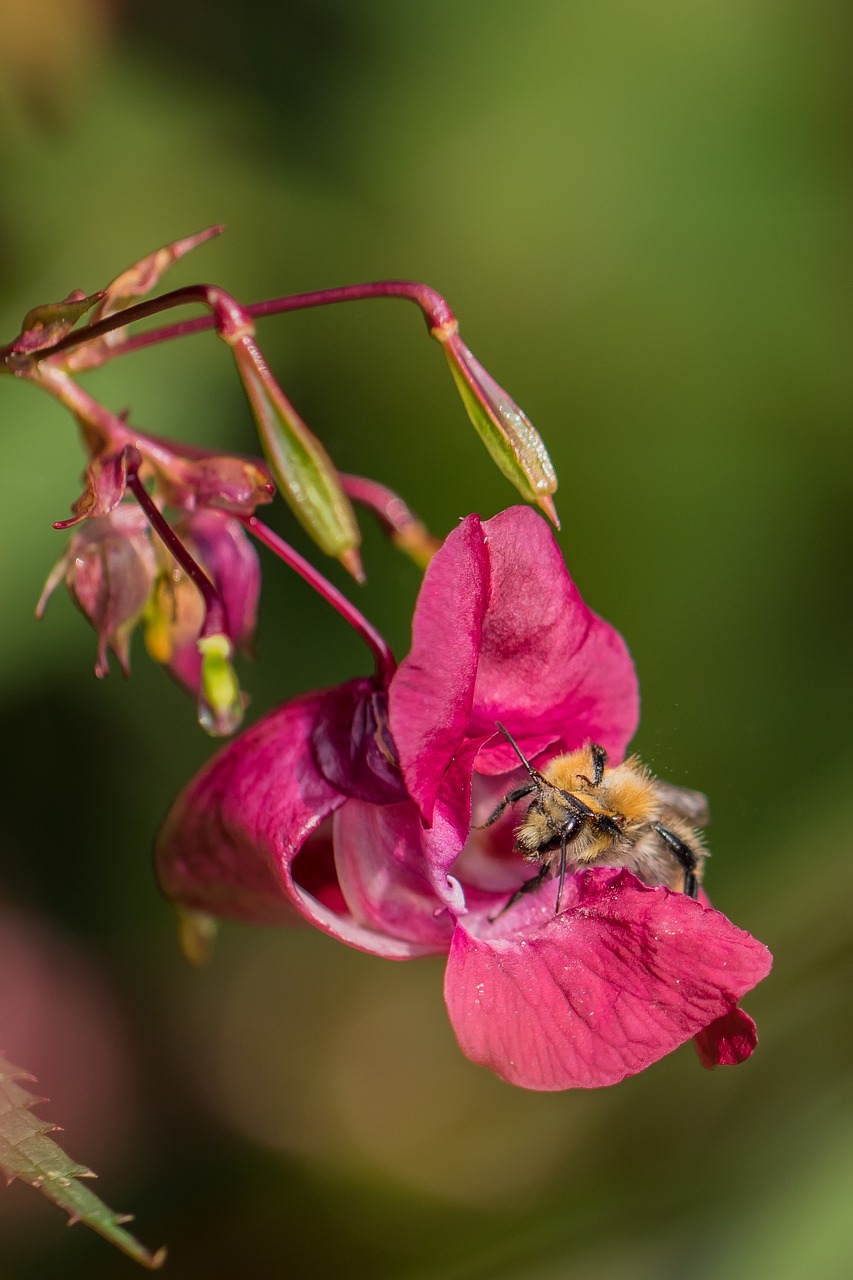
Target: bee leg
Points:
(511, 798)
(529, 886)
(564, 840)
(599, 760)
(683, 854)
(569, 830)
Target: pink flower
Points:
(352, 808)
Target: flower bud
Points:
(220, 701)
(303, 471)
(510, 437)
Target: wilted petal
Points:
(106, 483)
(617, 980)
(109, 569)
(224, 482)
(134, 283)
(230, 840)
(47, 324)
(144, 276)
(727, 1041)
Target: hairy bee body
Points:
(584, 814)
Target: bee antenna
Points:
(534, 773)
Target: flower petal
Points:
(727, 1041)
(547, 662)
(229, 842)
(382, 872)
(431, 692)
(601, 991)
(501, 634)
(353, 745)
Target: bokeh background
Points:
(640, 213)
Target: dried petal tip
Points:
(546, 504)
(510, 437)
(220, 703)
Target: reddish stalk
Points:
(215, 621)
(438, 315)
(383, 657)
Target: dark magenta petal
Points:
(727, 1040)
(431, 692)
(548, 664)
(353, 745)
(230, 840)
(583, 999)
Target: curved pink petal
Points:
(431, 692)
(501, 634)
(601, 991)
(229, 842)
(383, 874)
(547, 662)
(727, 1040)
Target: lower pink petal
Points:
(613, 983)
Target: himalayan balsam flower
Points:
(356, 809)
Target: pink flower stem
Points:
(383, 657)
(386, 505)
(215, 622)
(440, 319)
(405, 530)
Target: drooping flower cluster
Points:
(362, 808)
(195, 586)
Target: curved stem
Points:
(215, 622)
(438, 315)
(383, 657)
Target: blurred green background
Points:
(640, 213)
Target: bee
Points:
(584, 814)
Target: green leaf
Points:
(26, 1152)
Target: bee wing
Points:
(692, 805)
